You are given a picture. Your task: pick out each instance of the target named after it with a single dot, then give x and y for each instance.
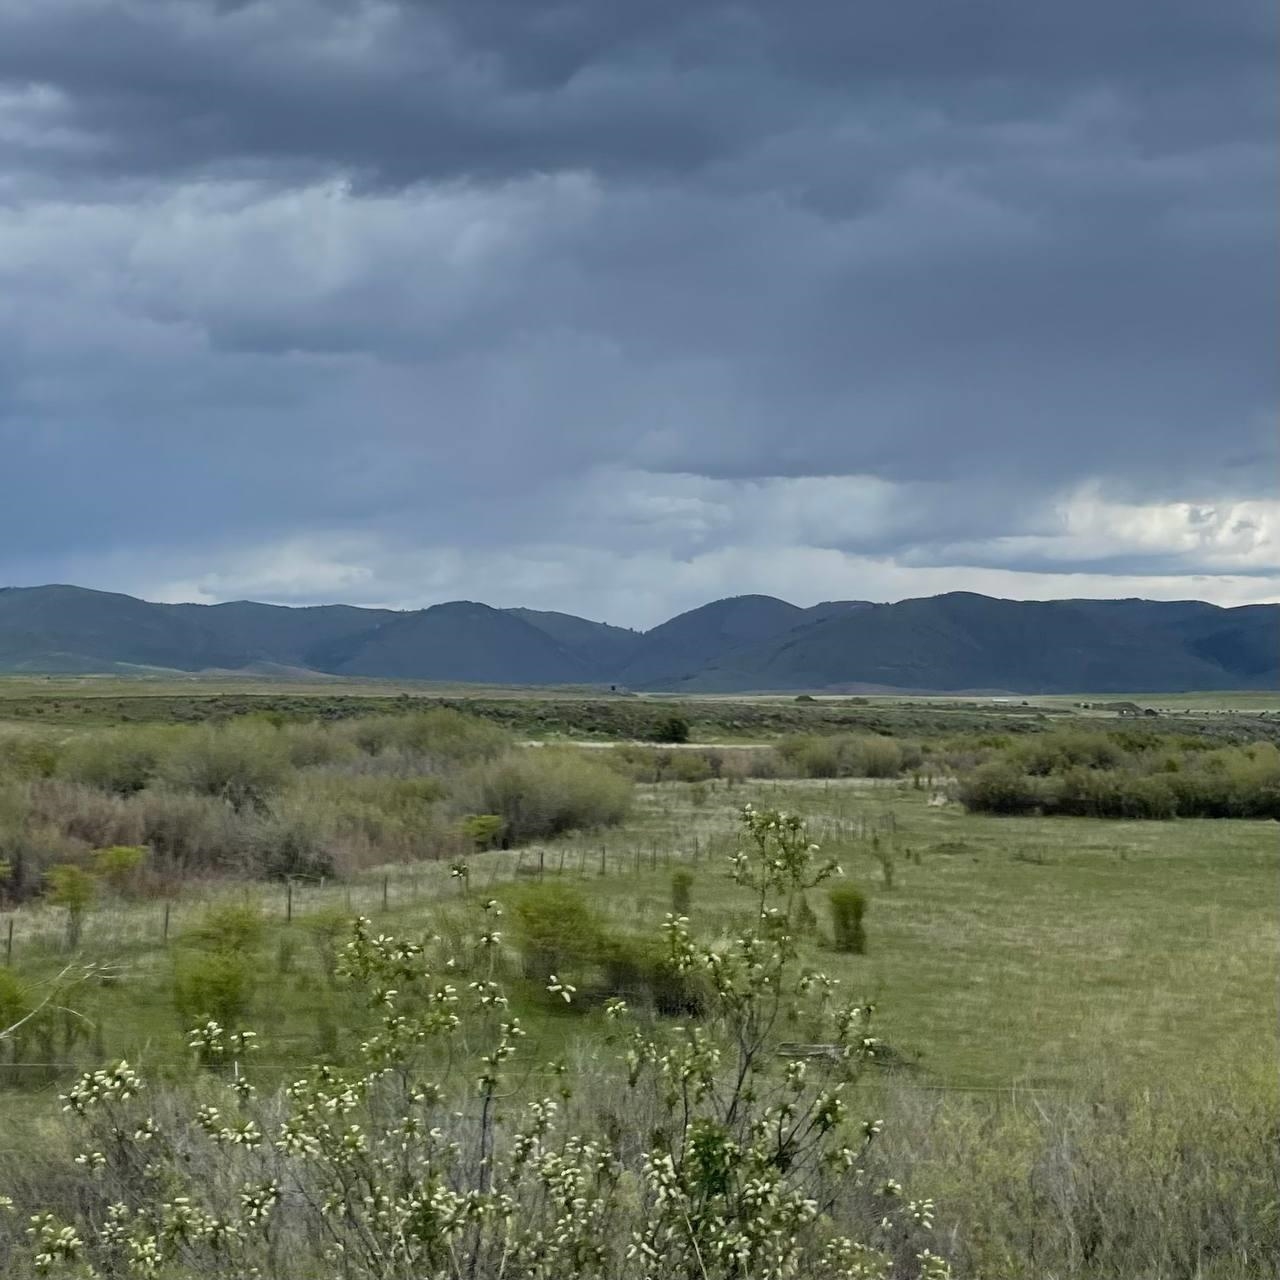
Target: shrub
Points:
(214, 984)
(121, 761)
(670, 728)
(848, 906)
(190, 833)
(876, 758)
(82, 813)
(681, 891)
(999, 787)
(554, 929)
(310, 745)
(641, 969)
(439, 735)
(71, 887)
(484, 830)
(242, 764)
(542, 792)
(229, 927)
(118, 865)
(25, 755)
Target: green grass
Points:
(1015, 952)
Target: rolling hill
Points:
(958, 642)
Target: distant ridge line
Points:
(954, 642)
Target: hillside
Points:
(604, 650)
(688, 642)
(962, 641)
(950, 643)
(462, 641)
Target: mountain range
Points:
(957, 642)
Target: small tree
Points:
(74, 888)
(672, 728)
(681, 892)
(484, 830)
(116, 866)
(848, 905)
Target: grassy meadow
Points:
(1078, 1014)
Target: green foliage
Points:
(671, 728)
(216, 985)
(543, 792)
(118, 865)
(74, 888)
(734, 1160)
(243, 764)
(25, 755)
(1091, 775)
(121, 761)
(681, 891)
(14, 1002)
(848, 906)
(231, 927)
(215, 970)
(554, 928)
(439, 734)
(484, 830)
(847, 756)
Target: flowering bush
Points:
(738, 1159)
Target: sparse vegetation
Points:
(990, 957)
(848, 906)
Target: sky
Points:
(619, 307)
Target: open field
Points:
(1077, 1015)
(581, 714)
(1008, 952)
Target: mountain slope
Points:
(62, 628)
(962, 641)
(948, 643)
(682, 646)
(462, 641)
(603, 649)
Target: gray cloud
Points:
(425, 297)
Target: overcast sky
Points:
(617, 306)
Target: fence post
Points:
(542, 862)
(560, 868)
(288, 902)
(164, 932)
(602, 860)
(8, 944)
(386, 892)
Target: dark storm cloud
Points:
(625, 279)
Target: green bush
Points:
(681, 892)
(121, 761)
(1000, 787)
(540, 792)
(439, 734)
(214, 984)
(848, 906)
(554, 928)
(26, 755)
(233, 927)
(243, 764)
(74, 888)
(671, 728)
(1081, 775)
(118, 865)
(639, 969)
